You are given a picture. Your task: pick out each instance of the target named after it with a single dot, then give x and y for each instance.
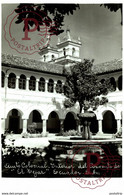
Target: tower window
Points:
(64, 51)
(53, 57)
(44, 57)
(73, 51)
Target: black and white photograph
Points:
(62, 93)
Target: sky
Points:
(99, 29)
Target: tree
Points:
(83, 86)
(114, 8)
(50, 13)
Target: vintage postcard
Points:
(61, 98)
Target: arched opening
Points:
(42, 84)
(53, 123)
(35, 122)
(32, 83)
(50, 86)
(94, 125)
(14, 122)
(113, 83)
(69, 122)
(109, 124)
(44, 58)
(22, 82)
(2, 79)
(73, 51)
(64, 51)
(59, 87)
(102, 81)
(52, 57)
(12, 80)
(120, 83)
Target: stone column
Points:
(17, 82)
(61, 125)
(118, 125)
(54, 87)
(78, 127)
(37, 84)
(3, 125)
(44, 127)
(46, 86)
(6, 81)
(117, 85)
(25, 121)
(27, 83)
(100, 126)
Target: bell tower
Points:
(66, 52)
(48, 53)
(68, 49)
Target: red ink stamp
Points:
(92, 164)
(23, 39)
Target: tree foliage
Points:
(83, 86)
(114, 8)
(52, 15)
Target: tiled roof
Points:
(26, 63)
(37, 65)
(110, 66)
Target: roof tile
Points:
(32, 64)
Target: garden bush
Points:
(71, 132)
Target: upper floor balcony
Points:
(23, 87)
(37, 88)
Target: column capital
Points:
(6, 75)
(2, 118)
(44, 119)
(37, 80)
(25, 118)
(17, 77)
(118, 119)
(99, 119)
(55, 82)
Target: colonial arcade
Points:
(32, 92)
